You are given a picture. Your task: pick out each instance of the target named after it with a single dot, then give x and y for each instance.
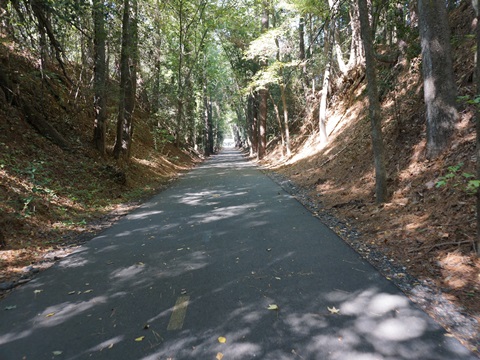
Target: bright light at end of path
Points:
(228, 143)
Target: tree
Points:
(374, 105)
(476, 4)
(263, 95)
(128, 80)
(438, 83)
(99, 82)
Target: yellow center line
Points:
(178, 313)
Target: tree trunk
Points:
(252, 113)
(285, 119)
(206, 148)
(356, 48)
(262, 123)
(476, 4)
(301, 53)
(328, 49)
(210, 142)
(333, 4)
(374, 105)
(128, 63)
(438, 84)
(99, 83)
(280, 127)
(263, 96)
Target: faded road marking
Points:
(178, 314)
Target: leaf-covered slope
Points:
(51, 188)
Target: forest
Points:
(369, 107)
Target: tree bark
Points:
(356, 49)
(128, 65)
(279, 120)
(328, 49)
(301, 53)
(476, 4)
(99, 82)
(374, 106)
(252, 111)
(263, 96)
(285, 119)
(438, 83)
(262, 123)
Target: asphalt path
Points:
(192, 273)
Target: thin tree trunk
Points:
(285, 119)
(374, 106)
(301, 54)
(263, 96)
(476, 4)
(254, 125)
(322, 113)
(127, 81)
(280, 127)
(333, 4)
(211, 142)
(262, 123)
(99, 101)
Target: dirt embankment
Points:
(55, 189)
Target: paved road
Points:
(203, 260)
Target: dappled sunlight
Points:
(13, 336)
(73, 262)
(202, 198)
(142, 215)
(399, 329)
(127, 273)
(227, 255)
(223, 213)
(304, 323)
(106, 344)
(58, 314)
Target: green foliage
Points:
(466, 181)
(470, 100)
(161, 137)
(39, 182)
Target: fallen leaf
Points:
(219, 356)
(57, 352)
(222, 340)
(71, 292)
(11, 307)
(37, 291)
(87, 291)
(110, 346)
(276, 277)
(273, 307)
(333, 310)
(140, 338)
(49, 315)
